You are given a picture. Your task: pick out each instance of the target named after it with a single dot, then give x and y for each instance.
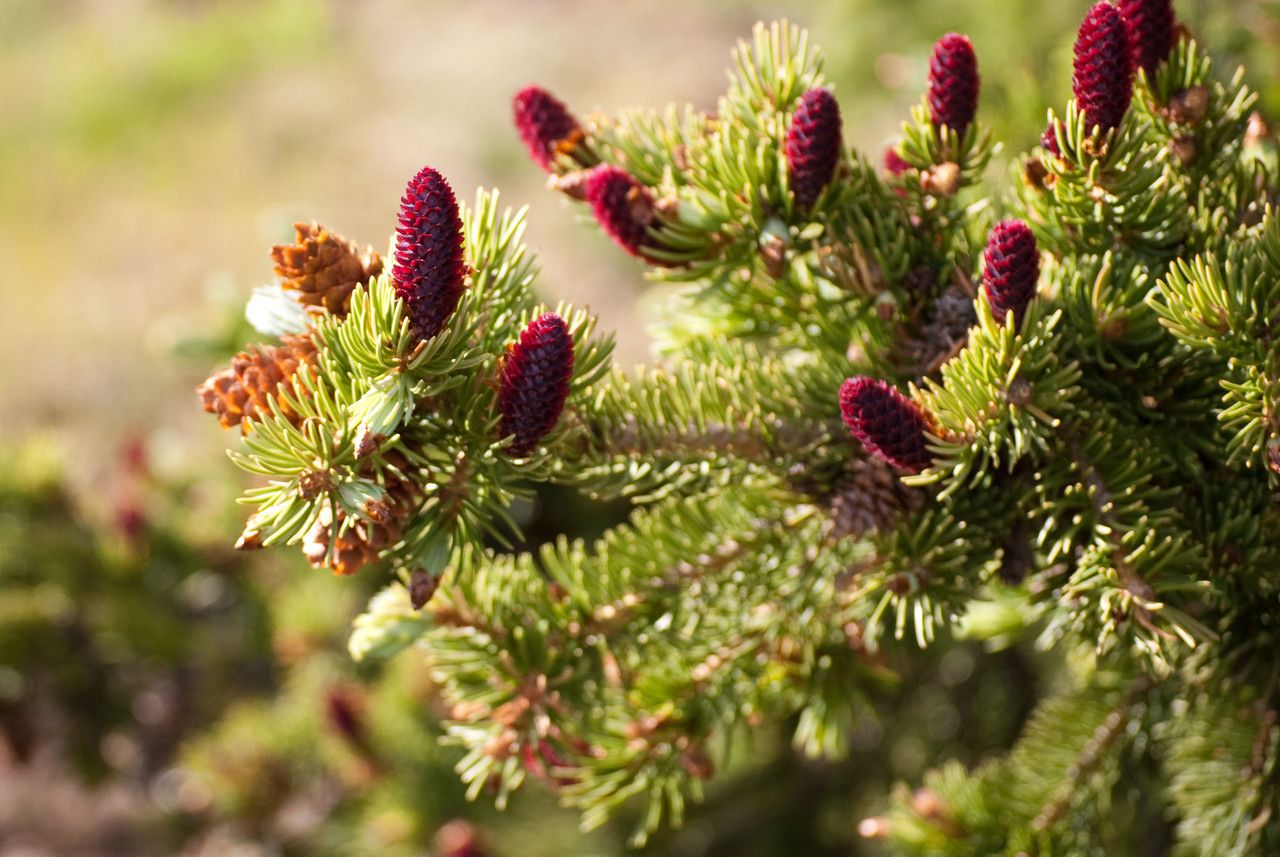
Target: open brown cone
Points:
(243, 393)
(322, 269)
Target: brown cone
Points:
(872, 498)
(243, 393)
(322, 268)
(360, 543)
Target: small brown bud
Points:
(250, 539)
(377, 511)
(367, 442)
(1185, 150)
(943, 179)
(773, 250)
(1189, 106)
(313, 483)
(1035, 174)
(422, 585)
(697, 763)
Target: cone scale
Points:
(545, 125)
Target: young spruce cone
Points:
(430, 272)
(244, 392)
(953, 83)
(1149, 25)
(889, 424)
(623, 207)
(547, 128)
(1103, 77)
(322, 268)
(813, 145)
(535, 382)
(1012, 269)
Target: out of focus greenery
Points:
(160, 693)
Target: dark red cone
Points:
(429, 272)
(813, 145)
(1103, 78)
(953, 83)
(889, 424)
(1149, 25)
(546, 126)
(534, 382)
(1012, 269)
(623, 207)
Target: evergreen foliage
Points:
(1091, 455)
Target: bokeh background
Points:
(160, 694)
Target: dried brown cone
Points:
(869, 499)
(348, 547)
(243, 393)
(322, 269)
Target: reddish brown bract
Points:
(534, 382)
(1149, 25)
(953, 83)
(430, 272)
(1049, 139)
(1012, 269)
(545, 125)
(887, 423)
(1103, 77)
(813, 145)
(623, 207)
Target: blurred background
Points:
(160, 694)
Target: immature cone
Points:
(244, 393)
(889, 424)
(953, 83)
(535, 382)
(1103, 76)
(1149, 25)
(1012, 269)
(623, 207)
(813, 145)
(323, 268)
(546, 126)
(429, 272)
